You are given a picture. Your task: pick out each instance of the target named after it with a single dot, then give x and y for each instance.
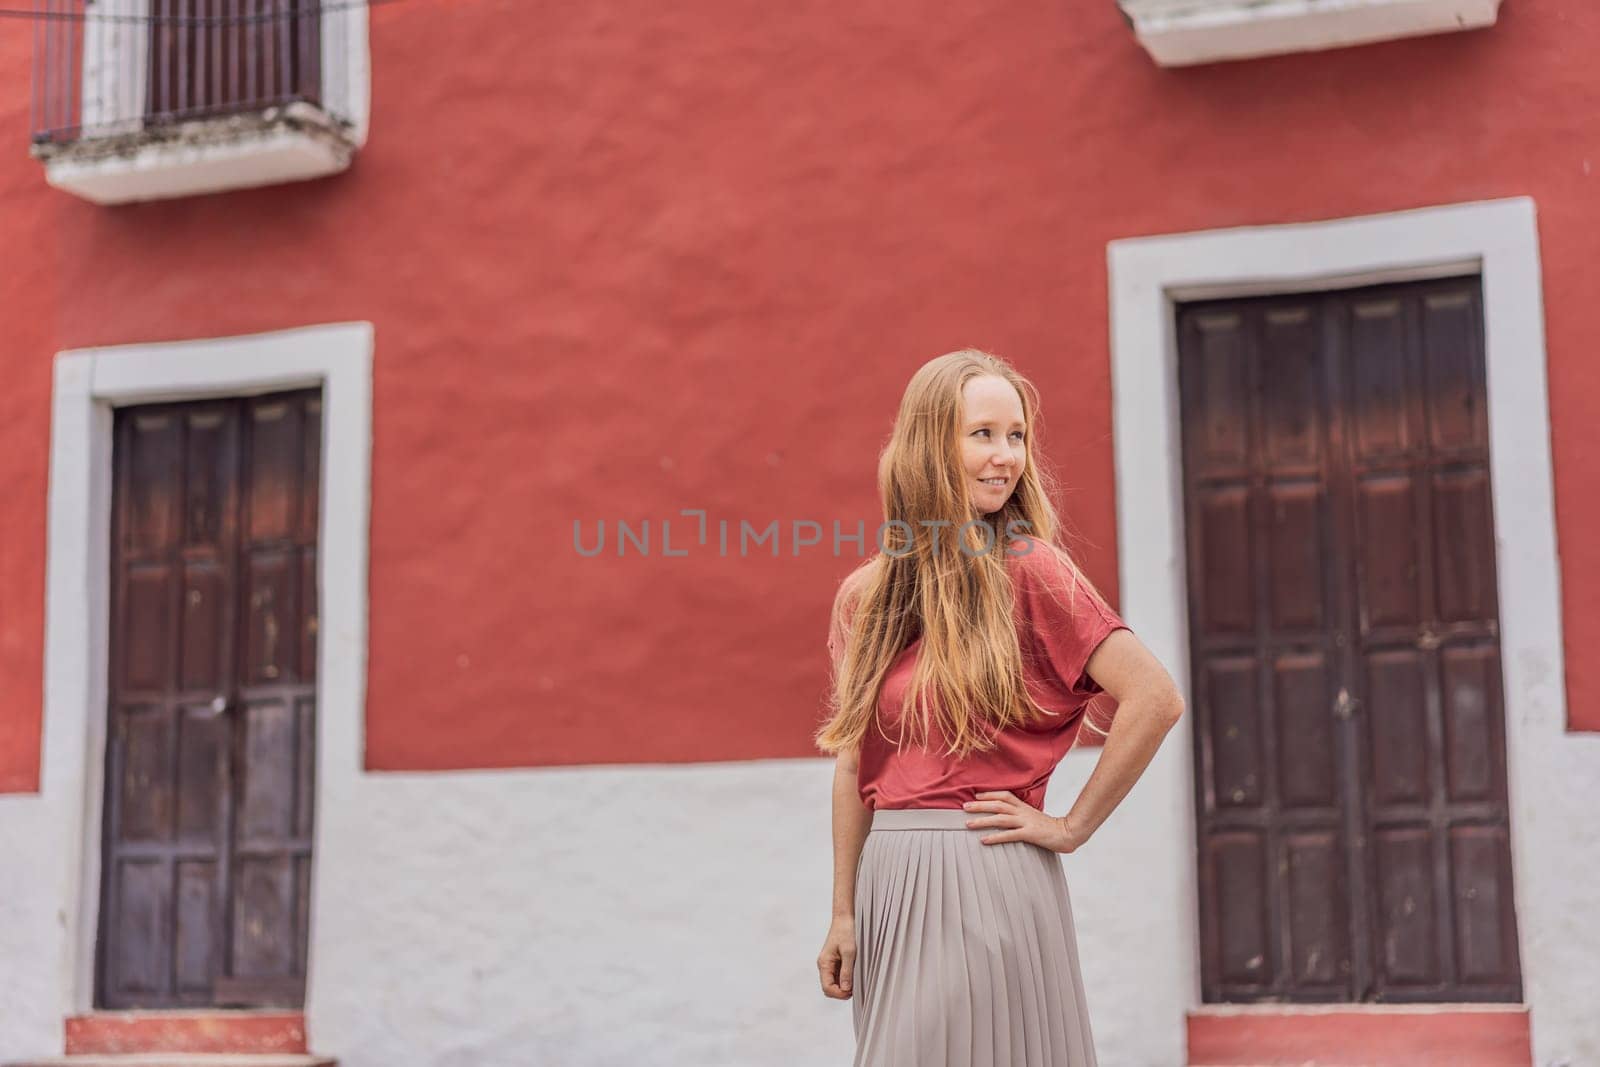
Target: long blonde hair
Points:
(955, 595)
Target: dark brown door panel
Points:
(209, 790)
(1349, 733)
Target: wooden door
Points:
(1350, 743)
(210, 742)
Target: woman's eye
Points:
(1018, 434)
(980, 431)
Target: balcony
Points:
(151, 99)
(1183, 32)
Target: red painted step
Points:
(180, 1059)
(183, 1031)
(1360, 1035)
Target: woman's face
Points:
(994, 441)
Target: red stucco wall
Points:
(28, 329)
(628, 258)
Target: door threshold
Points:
(1360, 1035)
(180, 1059)
(188, 1030)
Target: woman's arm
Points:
(1148, 705)
(851, 822)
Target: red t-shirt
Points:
(1055, 645)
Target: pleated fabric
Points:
(965, 953)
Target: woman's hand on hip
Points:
(837, 962)
(1018, 821)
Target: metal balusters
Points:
(69, 67)
(154, 63)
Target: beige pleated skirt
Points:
(965, 952)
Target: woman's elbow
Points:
(1163, 704)
(1171, 707)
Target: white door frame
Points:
(89, 383)
(1498, 240)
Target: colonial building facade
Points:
(434, 432)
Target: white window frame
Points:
(89, 384)
(1546, 765)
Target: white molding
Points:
(1183, 32)
(89, 383)
(1546, 765)
(116, 53)
(346, 46)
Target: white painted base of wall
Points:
(665, 915)
(1184, 32)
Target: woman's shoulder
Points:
(859, 577)
(1044, 573)
(1034, 559)
(851, 588)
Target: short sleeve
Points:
(1064, 618)
(836, 639)
(839, 619)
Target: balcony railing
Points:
(111, 67)
(161, 80)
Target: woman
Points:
(965, 656)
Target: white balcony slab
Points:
(287, 144)
(1185, 32)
